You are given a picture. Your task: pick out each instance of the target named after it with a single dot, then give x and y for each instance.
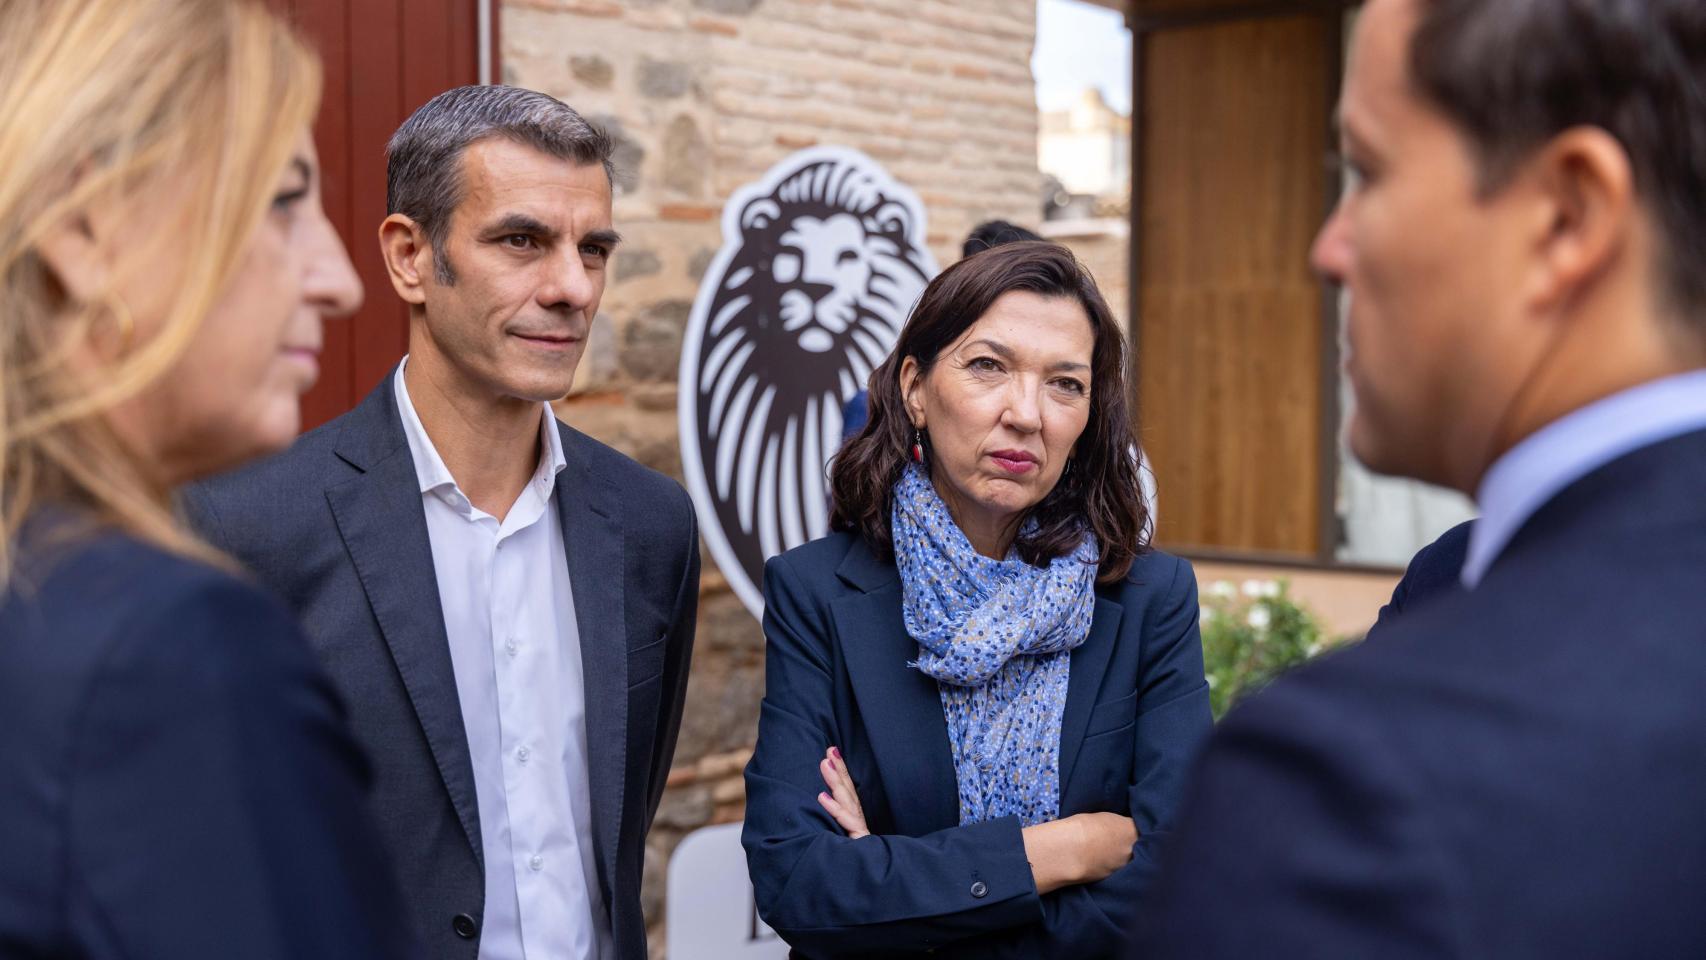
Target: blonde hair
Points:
(107, 101)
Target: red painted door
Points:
(383, 59)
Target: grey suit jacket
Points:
(335, 525)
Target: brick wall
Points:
(703, 97)
(1103, 246)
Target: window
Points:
(1237, 342)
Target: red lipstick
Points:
(1014, 461)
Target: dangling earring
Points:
(917, 446)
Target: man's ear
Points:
(1585, 178)
(408, 257)
(79, 261)
(911, 391)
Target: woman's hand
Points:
(841, 800)
(1082, 848)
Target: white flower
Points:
(1260, 617)
(1222, 589)
(1252, 588)
(1270, 588)
(1204, 614)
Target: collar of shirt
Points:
(435, 477)
(1571, 447)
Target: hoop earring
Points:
(917, 446)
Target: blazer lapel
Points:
(593, 542)
(1089, 662)
(901, 707)
(380, 518)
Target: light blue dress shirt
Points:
(1570, 448)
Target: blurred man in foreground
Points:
(1514, 769)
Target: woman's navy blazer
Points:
(837, 673)
(175, 776)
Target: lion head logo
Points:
(822, 260)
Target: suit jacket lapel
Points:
(1089, 662)
(593, 542)
(901, 707)
(379, 515)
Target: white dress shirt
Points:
(515, 647)
(1570, 448)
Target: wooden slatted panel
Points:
(378, 73)
(1231, 325)
(426, 60)
(383, 59)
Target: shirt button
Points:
(511, 647)
(522, 753)
(537, 863)
(978, 890)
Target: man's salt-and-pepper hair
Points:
(423, 177)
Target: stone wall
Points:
(1104, 247)
(703, 97)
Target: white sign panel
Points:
(711, 915)
(822, 260)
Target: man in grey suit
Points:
(506, 604)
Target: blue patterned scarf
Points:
(997, 636)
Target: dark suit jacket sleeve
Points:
(1173, 718)
(1434, 569)
(678, 654)
(827, 894)
(1303, 835)
(216, 804)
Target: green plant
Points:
(1250, 635)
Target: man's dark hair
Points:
(1513, 74)
(993, 233)
(1099, 492)
(424, 158)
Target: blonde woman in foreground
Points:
(175, 776)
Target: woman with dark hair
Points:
(982, 690)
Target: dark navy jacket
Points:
(176, 779)
(1515, 771)
(1433, 572)
(836, 668)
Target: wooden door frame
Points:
(1143, 25)
(417, 53)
